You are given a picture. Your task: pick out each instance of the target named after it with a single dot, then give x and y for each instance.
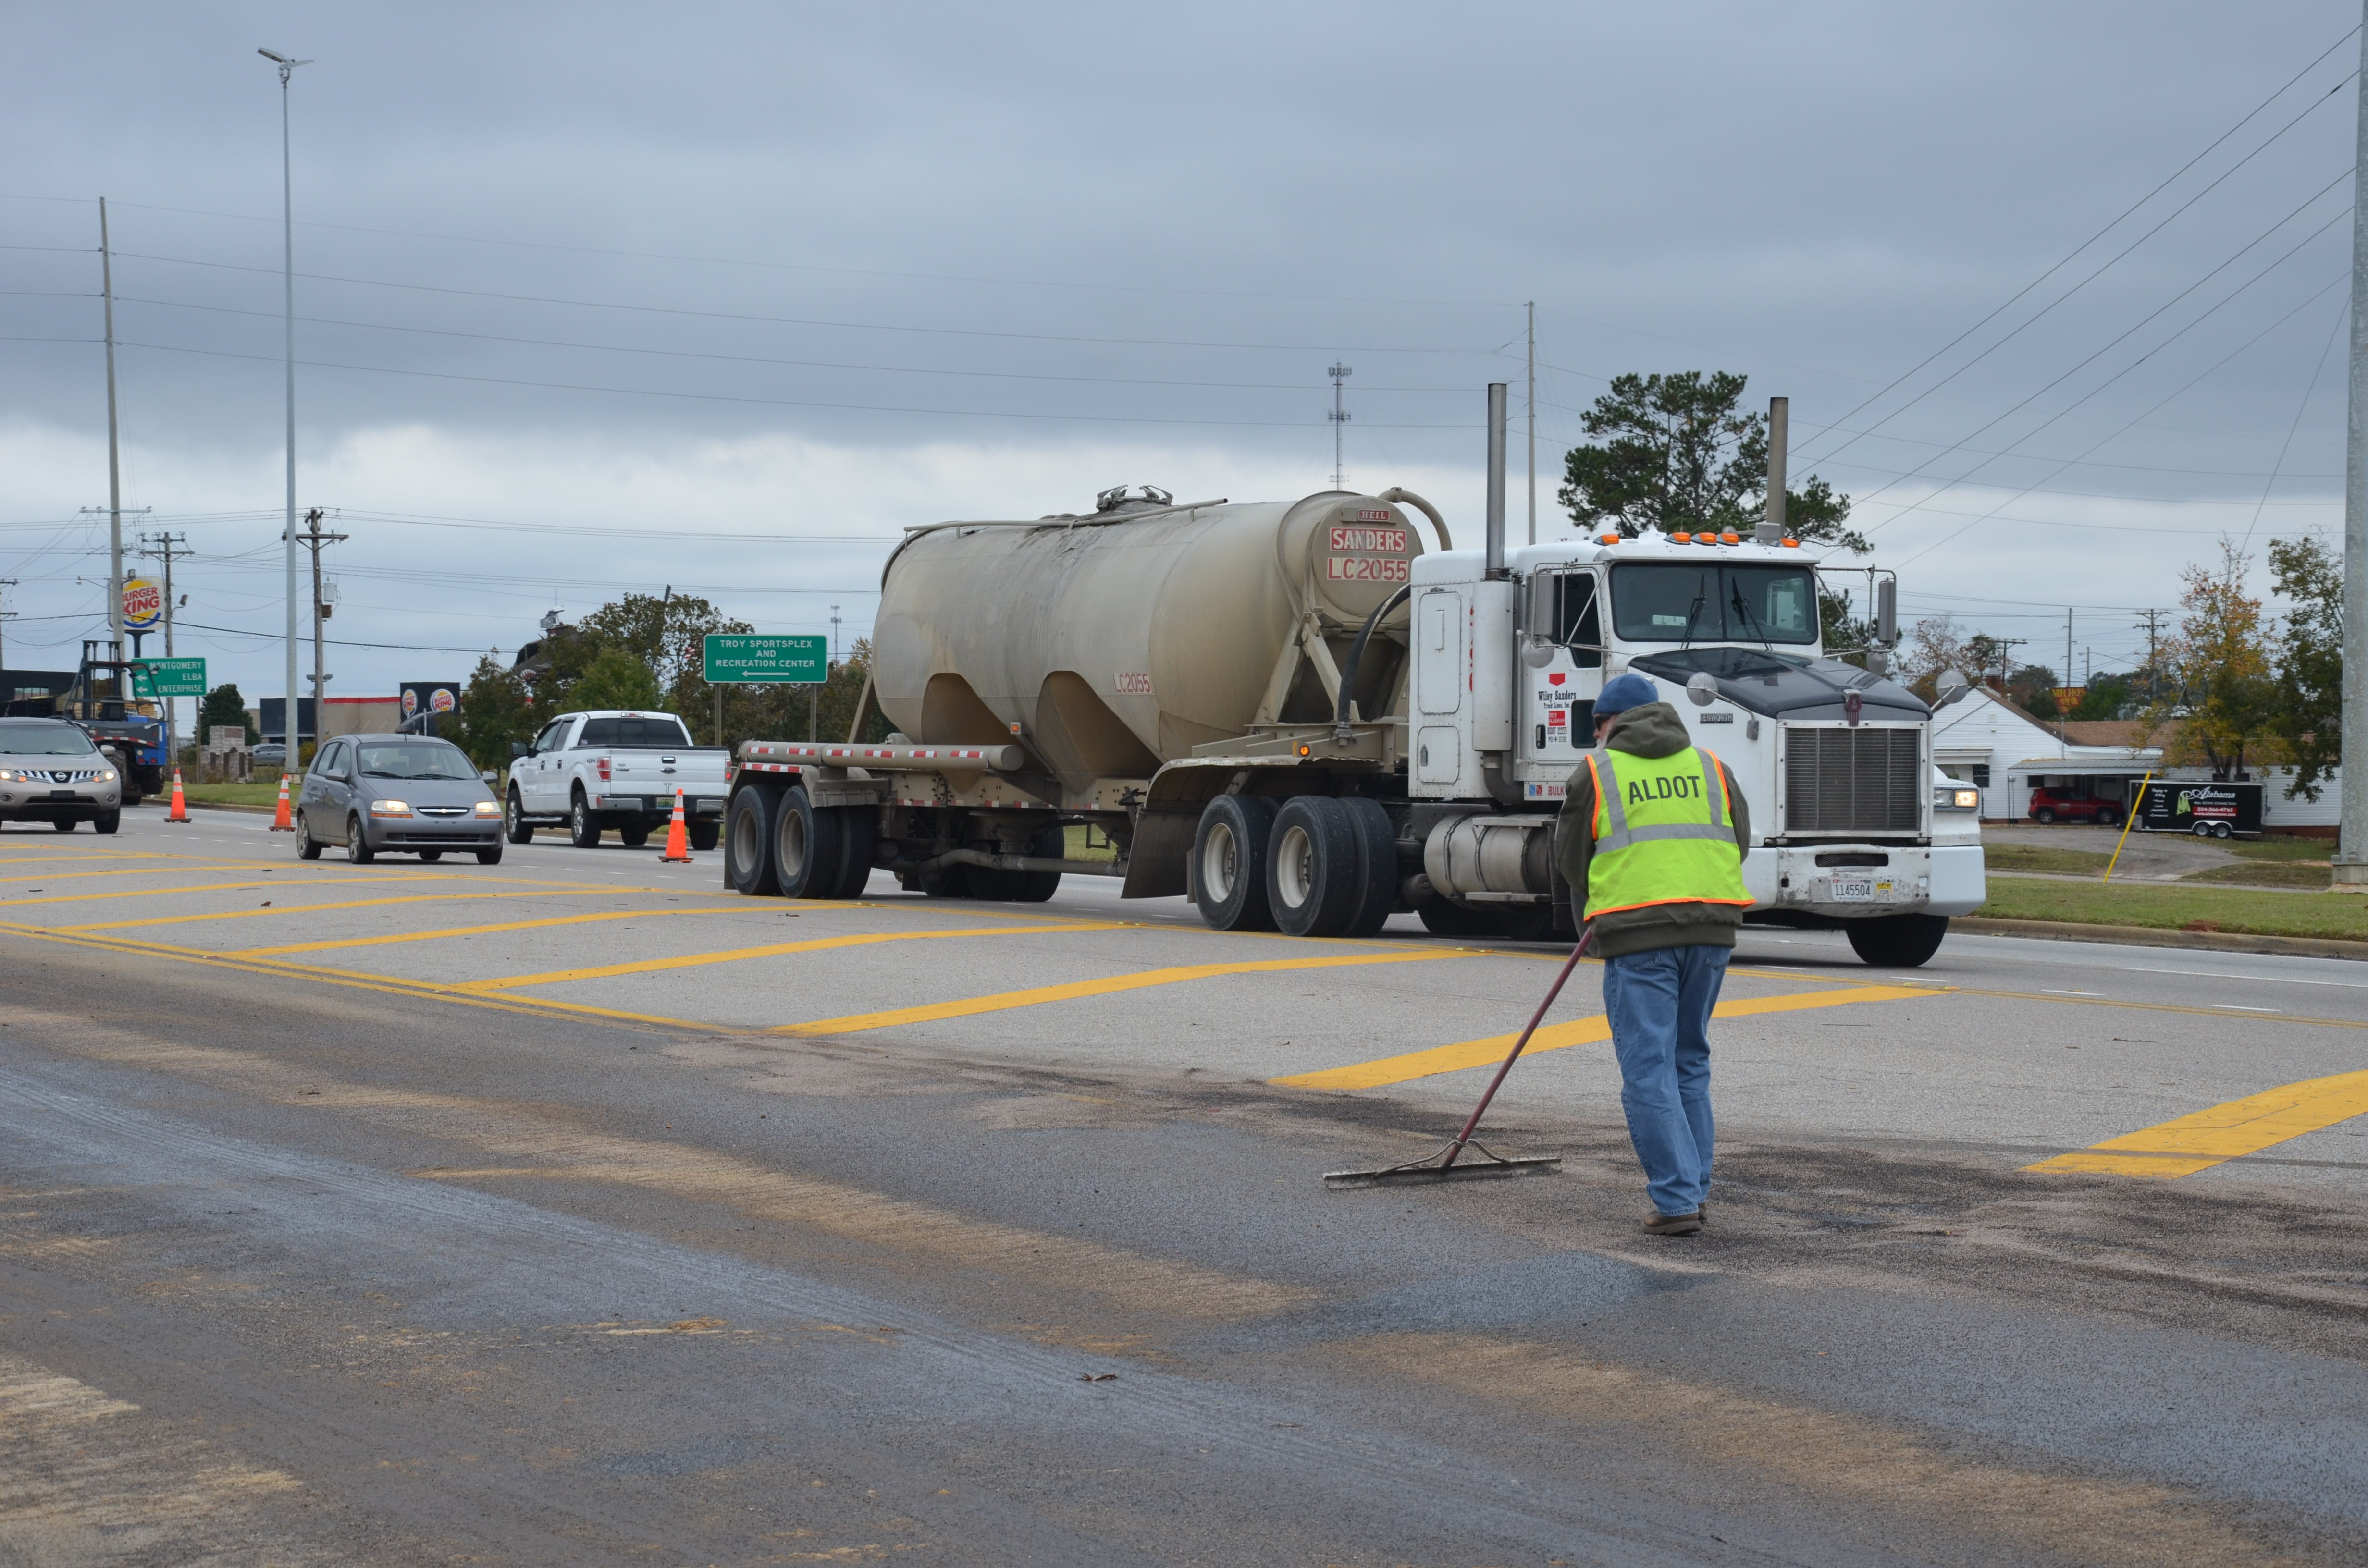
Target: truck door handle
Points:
(1541, 737)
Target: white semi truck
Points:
(1300, 717)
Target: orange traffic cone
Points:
(677, 847)
(281, 820)
(180, 811)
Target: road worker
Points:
(1652, 838)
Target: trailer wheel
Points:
(1229, 863)
(1021, 887)
(1377, 865)
(943, 882)
(1897, 941)
(859, 832)
(806, 844)
(1312, 882)
(748, 843)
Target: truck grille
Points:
(1840, 779)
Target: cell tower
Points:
(1340, 416)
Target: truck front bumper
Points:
(1940, 880)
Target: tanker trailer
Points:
(1295, 715)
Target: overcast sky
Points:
(582, 287)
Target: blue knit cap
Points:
(1625, 691)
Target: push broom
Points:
(1441, 1165)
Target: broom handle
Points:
(1586, 940)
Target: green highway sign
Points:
(170, 677)
(766, 660)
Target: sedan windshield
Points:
(1714, 601)
(44, 740)
(413, 760)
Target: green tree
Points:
(224, 706)
(2308, 706)
(2224, 694)
(2105, 697)
(1679, 457)
(616, 677)
(495, 709)
(2032, 689)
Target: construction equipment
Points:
(1440, 1165)
(1294, 714)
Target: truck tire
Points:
(705, 832)
(806, 844)
(1897, 941)
(1377, 865)
(1229, 863)
(944, 882)
(583, 827)
(858, 832)
(514, 821)
(1313, 881)
(749, 846)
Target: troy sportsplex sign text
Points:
(762, 659)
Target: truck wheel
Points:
(1311, 878)
(704, 831)
(946, 881)
(858, 832)
(806, 844)
(583, 827)
(1229, 863)
(1897, 941)
(514, 821)
(748, 848)
(633, 834)
(1443, 916)
(1377, 865)
(106, 821)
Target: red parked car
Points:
(2074, 804)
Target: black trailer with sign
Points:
(2208, 809)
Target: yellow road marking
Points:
(1556, 1036)
(474, 930)
(857, 1022)
(2203, 1139)
(689, 960)
(277, 909)
(209, 887)
(147, 870)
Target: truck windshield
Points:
(1713, 602)
(43, 739)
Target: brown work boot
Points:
(1674, 1224)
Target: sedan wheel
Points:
(358, 848)
(307, 846)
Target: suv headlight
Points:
(390, 808)
(106, 776)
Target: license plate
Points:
(1853, 889)
(64, 795)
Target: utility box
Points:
(2207, 808)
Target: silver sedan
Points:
(410, 794)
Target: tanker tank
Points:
(1112, 641)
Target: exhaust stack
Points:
(1495, 562)
(1771, 527)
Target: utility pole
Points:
(2352, 848)
(313, 541)
(288, 264)
(1534, 421)
(1340, 416)
(2153, 628)
(2068, 645)
(5, 617)
(114, 458)
(164, 547)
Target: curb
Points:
(164, 801)
(2160, 936)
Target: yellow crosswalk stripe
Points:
(2203, 1139)
(336, 942)
(1489, 1052)
(855, 1023)
(776, 950)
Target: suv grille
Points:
(1840, 779)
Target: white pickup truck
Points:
(590, 772)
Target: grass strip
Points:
(2180, 907)
(2044, 857)
(2267, 874)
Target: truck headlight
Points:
(1957, 800)
(488, 809)
(390, 808)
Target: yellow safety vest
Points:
(1664, 832)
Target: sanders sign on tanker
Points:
(143, 604)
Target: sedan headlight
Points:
(390, 808)
(488, 809)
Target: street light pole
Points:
(287, 259)
(114, 464)
(2351, 848)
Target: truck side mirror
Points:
(519, 749)
(1951, 687)
(1538, 615)
(1701, 687)
(1886, 611)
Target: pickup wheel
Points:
(633, 834)
(1312, 879)
(583, 827)
(1229, 863)
(705, 833)
(1377, 865)
(807, 846)
(514, 822)
(748, 842)
(1897, 941)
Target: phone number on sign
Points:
(1365, 569)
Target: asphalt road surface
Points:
(574, 1210)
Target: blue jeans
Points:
(1659, 1004)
